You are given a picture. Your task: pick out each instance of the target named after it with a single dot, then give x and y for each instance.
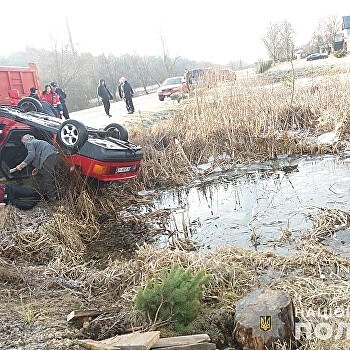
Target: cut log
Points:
(263, 317)
(77, 314)
(198, 346)
(181, 340)
(90, 344)
(134, 341)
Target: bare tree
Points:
(141, 68)
(327, 31)
(314, 44)
(279, 41)
(287, 41)
(169, 63)
(271, 41)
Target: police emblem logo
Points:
(265, 323)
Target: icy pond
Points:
(263, 199)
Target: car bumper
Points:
(103, 171)
(167, 93)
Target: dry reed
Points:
(248, 119)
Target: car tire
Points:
(161, 98)
(30, 104)
(117, 131)
(72, 135)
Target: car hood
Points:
(167, 87)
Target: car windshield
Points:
(172, 81)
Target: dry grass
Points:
(315, 277)
(248, 119)
(46, 253)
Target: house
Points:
(339, 42)
(346, 32)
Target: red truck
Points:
(15, 83)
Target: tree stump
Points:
(263, 317)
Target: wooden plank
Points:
(134, 341)
(76, 314)
(96, 345)
(181, 340)
(198, 346)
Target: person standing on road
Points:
(52, 97)
(62, 95)
(188, 79)
(44, 157)
(126, 92)
(34, 93)
(47, 107)
(104, 93)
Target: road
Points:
(145, 106)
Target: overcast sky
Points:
(216, 31)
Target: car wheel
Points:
(161, 98)
(30, 104)
(117, 131)
(72, 135)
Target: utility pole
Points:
(70, 37)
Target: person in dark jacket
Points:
(44, 157)
(21, 197)
(34, 93)
(126, 93)
(104, 93)
(188, 79)
(61, 93)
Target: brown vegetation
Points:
(250, 119)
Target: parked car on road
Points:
(172, 86)
(101, 155)
(316, 56)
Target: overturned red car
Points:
(102, 155)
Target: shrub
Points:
(339, 53)
(174, 297)
(262, 66)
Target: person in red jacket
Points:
(53, 98)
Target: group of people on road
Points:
(125, 92)
(44, 157)
(53, 100)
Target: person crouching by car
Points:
(21, 197)
(44, 157)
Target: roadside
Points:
(148, 110)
